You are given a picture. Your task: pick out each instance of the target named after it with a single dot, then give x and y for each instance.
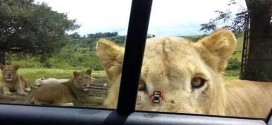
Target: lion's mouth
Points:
(8, 79)
(86, 89)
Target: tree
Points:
(257, 53)
(101, 35)
(31, 28)
(75, 35)
(234, 22)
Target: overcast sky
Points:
(168, 17)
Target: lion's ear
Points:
(217, 48)
(75, 74)
(2, 66)
(110, 56)
(16, 67)
(89, 71)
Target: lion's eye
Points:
(142, 85)
(197, 82)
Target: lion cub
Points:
(65, 94)
(13, 81)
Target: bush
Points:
(56, 62)
(234, 64)
(24, 61)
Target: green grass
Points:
(231, 74)
(231, 77)
(239, 48)
(32, 74)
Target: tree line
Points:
(37, 31)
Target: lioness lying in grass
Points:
(44, 81)
(13, 81)
(70, 93)
(188, 77)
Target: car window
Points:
(48, 50)
(206, 57)
(201, 57)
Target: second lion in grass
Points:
(69, 93)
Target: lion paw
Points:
(28, 89)
(23, 93)
(7, 92)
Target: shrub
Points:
(234, 64)
(56, 62)
(23, 61)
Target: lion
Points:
(44, 81)
(179, 75)
(70, 93)
(12, 81)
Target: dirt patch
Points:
(97, 94)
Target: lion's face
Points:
(9, 72)
(83, 80)
(38, 81)
(177, 75)
(174, 68)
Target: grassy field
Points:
(33, 74)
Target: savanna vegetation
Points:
(77, 54)
(35, 37)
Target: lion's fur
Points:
(12, 81)
(73, 91)
(253, 101)
(170, 63)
